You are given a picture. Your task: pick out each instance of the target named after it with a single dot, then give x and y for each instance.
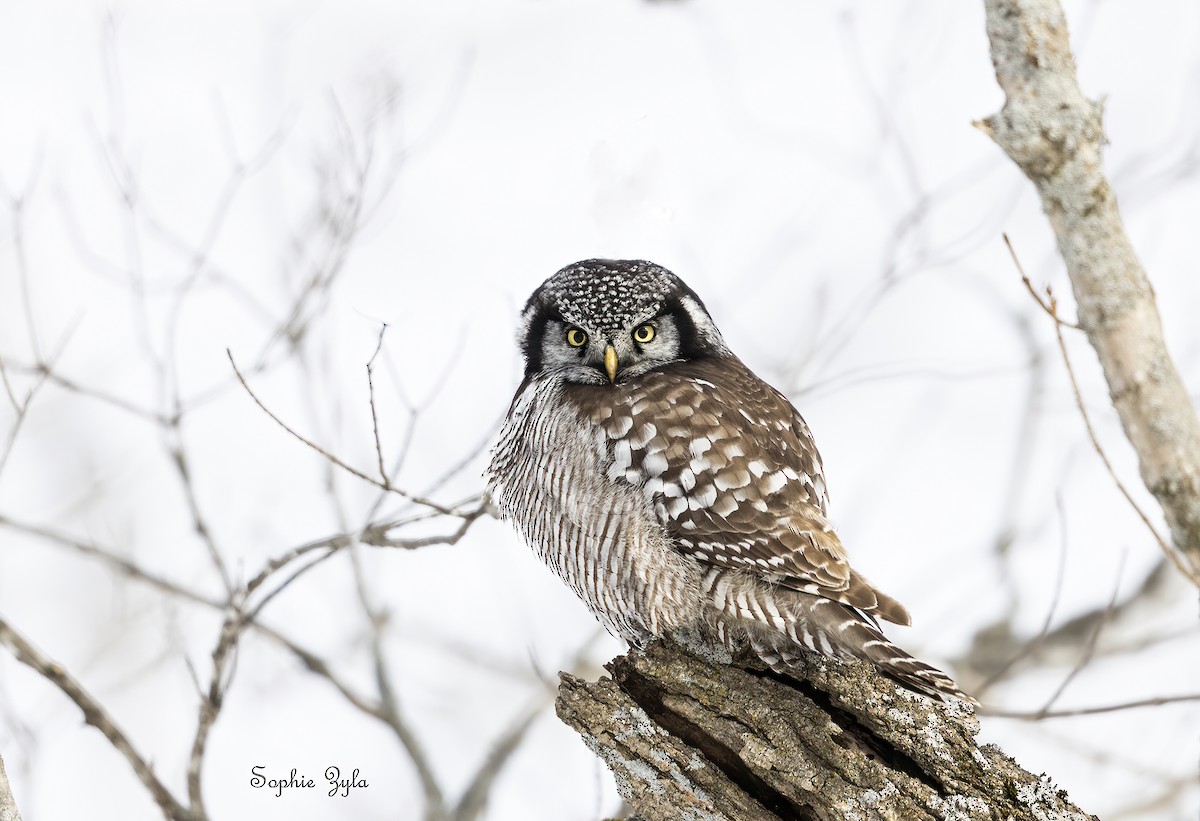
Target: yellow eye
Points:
(576, 338)
(644, 333)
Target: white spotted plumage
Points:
(670, 487)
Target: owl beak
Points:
(610, 363)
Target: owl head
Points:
(609, 320)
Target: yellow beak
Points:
(610, 363)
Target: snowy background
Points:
(278, 179)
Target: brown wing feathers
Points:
(726, 499)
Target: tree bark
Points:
(691, 737)
(8, 804)
(1054, 134)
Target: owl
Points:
(672, 489)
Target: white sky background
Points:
(811, 172)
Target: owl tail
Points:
(834, 629)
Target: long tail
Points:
(896, 663)
(848, 633)
(796, 621)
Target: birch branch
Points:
(8, 804)
(1054, 134)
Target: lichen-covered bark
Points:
(691, 738)
(8, 804)
(1054, 134)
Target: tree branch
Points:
(383, 484)
(97, 716)
(1054, 134)
(8, 804)
(685, 735)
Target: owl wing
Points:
(733, 475)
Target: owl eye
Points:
(576, 338)
(644, 333)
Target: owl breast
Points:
(550, 476)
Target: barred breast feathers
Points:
(601, 539)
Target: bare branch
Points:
(1055, 134)
(112, 559)
(8, 804)
(389, 704)
(211, 703)
(8, 388)
(377, 535)
(1031, 647)
(179, 459)
(1051, 312)
(22, 413)
(335, 460)
(56, 378)
(316, 664)
(1038, 715)
(330, 543)
(1089, 649)
(474, 799)
(1158, 803)
(17, 203)
(1170, 552)
(95, 715)
(1050, 305)
(383, 472)
(295, 574)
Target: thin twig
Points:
(22, 414)
(474, 799)
(56, 378)
(315, 664)
(8, 388)
(1160, 805)
(112, 559)
(330, 543)
(435, 802)
(376, 535)
(45, 367)
(1088, 711)
(1034, 645)
(1046, 306)
(410, 432)
(383, 473)
(295, 574)
(1087, 421)
(479, 447)
(1089, 649)
(18, 238)
(339, 216)
(1050, 305)
(177, 453)
(211, 702)
(335, 460)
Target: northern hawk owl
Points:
(670, 487)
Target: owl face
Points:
(601, 321)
